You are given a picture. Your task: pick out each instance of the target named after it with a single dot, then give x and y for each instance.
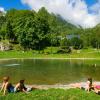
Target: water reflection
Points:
(50, 71)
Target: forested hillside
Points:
(36, 30)
(32, 30)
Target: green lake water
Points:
(50, 71)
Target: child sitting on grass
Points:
(20, 87)
(6, 86)
(88, 86)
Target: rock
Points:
(5, 46)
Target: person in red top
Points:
(97, 89)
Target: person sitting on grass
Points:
(20, 87)
(88, 86)
(6, 86)
(96, 88)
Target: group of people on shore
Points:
(90, 86)
(7, 87)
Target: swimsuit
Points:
(10, 89)
(97, 86)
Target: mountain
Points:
(62, 26)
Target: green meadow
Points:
(84, 53)
(53, 94)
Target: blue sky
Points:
(85, 13)
(8, 4)
(90, 2)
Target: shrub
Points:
(17, 47)
(64, 49)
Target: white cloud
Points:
(75, 11)
(96, 7)
(2, 9)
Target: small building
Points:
(70, 36)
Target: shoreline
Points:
(61, 86)
(52, 58)
(58, 86)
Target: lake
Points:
(42, 71)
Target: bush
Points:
(77, 43)
(17, 47)
(64, 49)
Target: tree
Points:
(65, 42)
(77, 43)
(9, 32)
(42, 28)
(95, 37)
(2, 27)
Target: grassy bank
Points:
(53, 94)
(85, 53)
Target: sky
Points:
(85, 13)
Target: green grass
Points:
(53, 94)
(84, 53)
